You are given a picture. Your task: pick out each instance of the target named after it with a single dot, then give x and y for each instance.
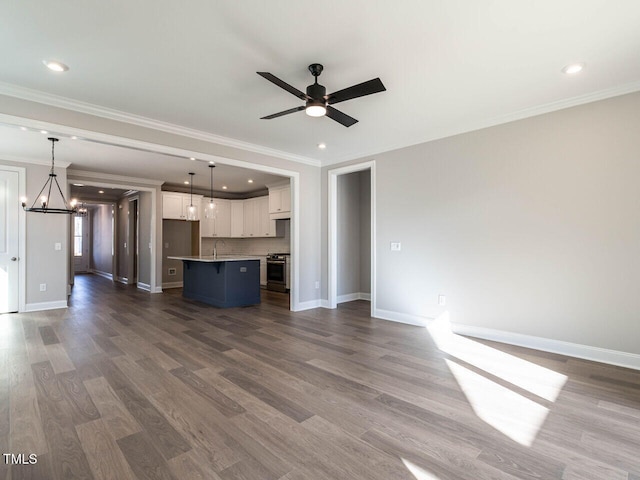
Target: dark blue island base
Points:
(222, 284)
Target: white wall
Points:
(531, 227)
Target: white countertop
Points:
(219, 258)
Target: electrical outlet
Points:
(442, 300)
(317, 285)
(396, 246)
(172, 271)
(43, 287)
(57, 246)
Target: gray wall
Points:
(102, 238)
(530, 227)
(145, 239)
(354, 237)
(176, 238)
(122, 241)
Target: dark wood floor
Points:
(127, 385)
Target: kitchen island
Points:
(223, 281)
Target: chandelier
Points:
(45, 193)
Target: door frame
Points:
(22, 239)
(333, 229)
(133, 266)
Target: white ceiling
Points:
(448, 66)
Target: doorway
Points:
(81, 242)
(352, 200)
(133, 252)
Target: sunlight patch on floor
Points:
(511, 413)
(418, 472)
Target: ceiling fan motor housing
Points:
(317, 93)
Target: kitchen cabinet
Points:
(251, 218)
(280, 202)
(237, 218)
(175, 206)
(220, 226)
(266, 226)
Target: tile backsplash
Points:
(250, 246)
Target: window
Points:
(77, 236)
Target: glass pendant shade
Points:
(191, 211)
(211, 210)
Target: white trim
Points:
(307, 305)
(37, 307)
(120, 279)
(407, 318)
(22, 235)
(102, 274)
(156, 290)
(34, 161)
(113, 178)
(333, 229)
(172, 284)
(587, 352)
(500, 120)
(324, 303)
(350, 297)
(120, 116)
(144, 286)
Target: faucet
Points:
(215, 248)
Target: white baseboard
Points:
(402, 317)
(144, 286)
(306, 305)
(157, 290)
(324, 303)
(102, 274)
(350, 297)
(586, 352)
(37, 307)
(172, 285)
(124, 280)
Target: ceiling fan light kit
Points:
(317, 102)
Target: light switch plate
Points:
(57, 246)
(396, 246)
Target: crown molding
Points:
(500, 120)
(138, 120)
(82, 174)
(33, 161)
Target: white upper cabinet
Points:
(220, 225)
(280, 202)
(175, 206)
(237, 218)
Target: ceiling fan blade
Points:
(340, 117)
(286, 112)
(360, 90)
(284, 85)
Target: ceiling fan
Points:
(318, 103)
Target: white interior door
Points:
(9, 242)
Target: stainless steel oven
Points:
(277, 272)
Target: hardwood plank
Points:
(25, 423)
(82, 407)
(105, 458)
(143, 458)
(182, 358)
(59, 359)
(107, 345)
(209, 342)
(36, 471)
(49, 337)
(116, 418)
(277, 401)
(217, 399)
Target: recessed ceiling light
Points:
(192, 158)
(44, 132)
(186, 182)
(100, 191)
(224, 187)
(74, 137)
(573, 68)
(24, 129)
(322, 146)
(55, 66)
(212, 162)
(250, 180)
(78, 184)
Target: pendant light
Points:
(210, 211)
(191, 211)
(45, 200)
(81, 210)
